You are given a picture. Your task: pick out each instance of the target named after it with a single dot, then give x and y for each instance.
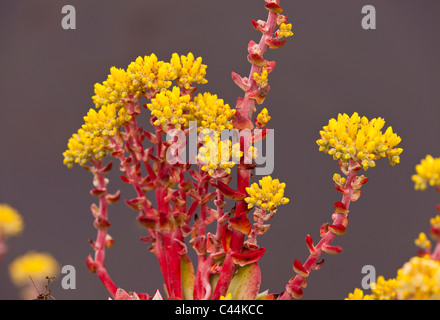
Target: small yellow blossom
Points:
(82, 147)
(117, 87)
(422, 241)
(189, 70)
(151, 74)
(419, 279)
(285, 31)
(428, 173)
(228, 297)
(435, 222)
(11, 222)
(261, 79)
(358, 294)
(33, 264)
(269, 196)
(263, 118)
(210, 112)
(106, 121)
(169, 108)
(217, 155)
(360, 140)
(339, 180)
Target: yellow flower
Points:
(360, 140)
(358, 294)
(169, 108)
(188, 70)
(228, 297)
(261, 79)
(106, 121)
(118, 87)
(210, 112)
(11, 222)
(428, 173)
(217, 155)
(267, 195)
(82, 147)
(263, 118)
(37, 265)
(285, 31)
(151, 74)
(435, 222)
(422, 241)
(419, 279)
(384, 289)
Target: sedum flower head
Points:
(358, 294)
(210, 112)
(217, 155)
(384, 289)
(33, 264)
(188, 70)
(419, 279)
(263, 118)
(11, 222)
(360, 140)
(422, 241)
(427, 173)
(151, 74)
(261, 79)
(82, 147)
(117, 87)
(106, 121)
(169, 107)
(267, 195)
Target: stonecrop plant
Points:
(179, 199)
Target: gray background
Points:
(331, 65)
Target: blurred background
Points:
(330, 66)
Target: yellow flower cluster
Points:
(11, 222)
(117, 87)
(188, 70)
(168, 107)
(218, 155)
(285, 31)
(210, 112)
(261, 79)
(83, 147)
(263, 118)
(150, 73)
(419, 279)
(267, 195)
(435, 222)
(360, 140)
(34, 264)
(106, 121)
(428, 173)
(358, 294)
(147, 73)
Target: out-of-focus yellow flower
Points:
(106, 121)
(360, 140)
(419, 279)
(267, 195)
(422, 241)
(358, 294)
(262, 118)
(285, 31)
(82, 147)
(384, 289)
(189, 70)
(11, 222)
(33, 264)
(228, 297)
(210, 112)
(427, 173)
(169, 108)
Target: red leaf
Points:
(243, 259)
(230, 193)
(241, 223)
(273, 7)
(299, 268)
